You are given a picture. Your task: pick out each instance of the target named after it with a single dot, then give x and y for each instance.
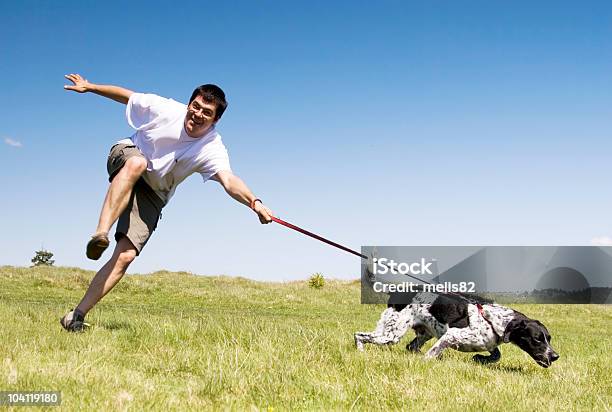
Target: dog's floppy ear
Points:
(513, 326)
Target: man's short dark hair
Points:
(211, 93)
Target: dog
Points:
(460, 324)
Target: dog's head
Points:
(531, 336)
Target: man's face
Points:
(200, 117)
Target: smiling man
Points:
(172, 141)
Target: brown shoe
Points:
(97, 245)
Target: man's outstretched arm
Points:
(236, 188)
(81, 85)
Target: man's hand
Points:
(79, 84)
(265, 214)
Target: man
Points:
(172, 141)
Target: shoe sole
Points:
(96, 246)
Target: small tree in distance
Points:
(43, 258)
(316, 281)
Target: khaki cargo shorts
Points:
(140, 217)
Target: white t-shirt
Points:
(171, 154)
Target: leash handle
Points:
(315, 236)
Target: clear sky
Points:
(371, 123)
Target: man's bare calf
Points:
(109, 275)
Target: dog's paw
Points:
(413, 349)
(434, 353)
(430, 357)
(358, 344)
(482, 359)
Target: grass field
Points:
(178, 341)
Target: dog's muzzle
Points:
(547, 359)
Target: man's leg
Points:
(110, 274)
(118, 194)
(117, 198)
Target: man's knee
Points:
(126, 257)
(135, 165)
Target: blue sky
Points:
(390, 123)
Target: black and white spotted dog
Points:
(462, 325)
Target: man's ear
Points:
(513, 326)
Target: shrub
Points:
(43, 258)
(316, 281)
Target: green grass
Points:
(178, 341)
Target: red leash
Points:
(322, 239)
(329, 242)
(339, 246)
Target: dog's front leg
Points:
(495, 356)
(417, 343)
(449, 339)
